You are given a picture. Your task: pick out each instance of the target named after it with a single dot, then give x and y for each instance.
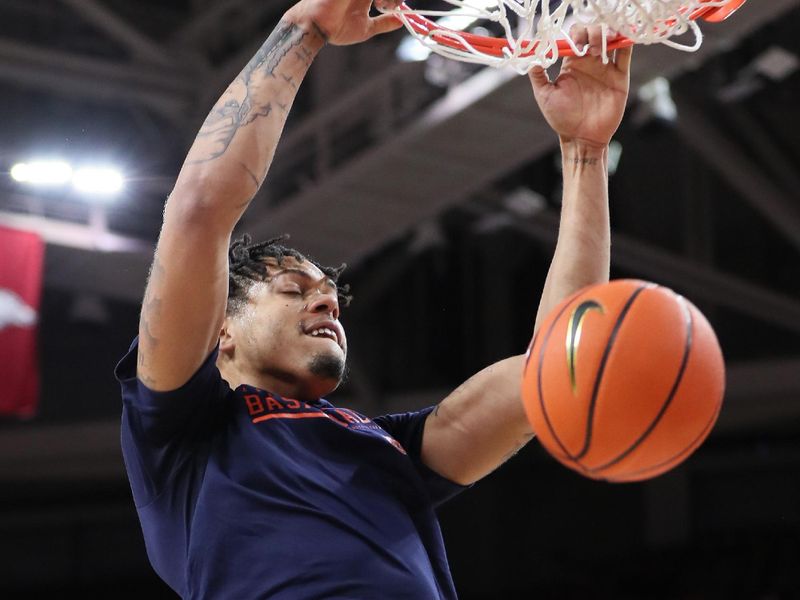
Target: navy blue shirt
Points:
(244, 494)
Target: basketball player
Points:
(249, 484)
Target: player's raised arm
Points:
(184, 302)
(584, 106)
(483, 422)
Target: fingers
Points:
(539, 78)
(384, 5)
(384, 24)
(623, 59)
(580, 35)
(595, 35)
(588, 37)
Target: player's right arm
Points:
(186, 293)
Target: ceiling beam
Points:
(211, 19)
(167, 91)
(697, 281)
(759, 139)
(449, 153)
(748, 179)
(72, 235)
(120, 31)
(478, 133)
(205, 22)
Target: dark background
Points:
(439, 185)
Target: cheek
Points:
(281, 335)
(260, 332)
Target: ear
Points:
(227, 343)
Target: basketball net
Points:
(536, 32)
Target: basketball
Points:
(623, 381)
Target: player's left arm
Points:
(483, 423)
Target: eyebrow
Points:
(328, 281)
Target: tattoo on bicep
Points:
(151, 309)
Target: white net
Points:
(536, 32)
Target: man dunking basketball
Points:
(249, 484)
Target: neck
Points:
(283, 384)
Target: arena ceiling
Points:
(370, 139)
(375, 153)
(437, 184)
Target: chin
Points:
(329, 367)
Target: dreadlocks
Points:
(247, 265)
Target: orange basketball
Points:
(623, 380)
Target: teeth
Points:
(324, 331)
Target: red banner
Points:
(21, 265)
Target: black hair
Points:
(247, 265)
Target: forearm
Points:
(230, 157)
(583, 249)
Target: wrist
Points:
(581, 145)
(580, 155)
(301, 18)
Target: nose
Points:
(325, 303)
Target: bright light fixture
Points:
(97, 180)
(410, 50)
(461, 18)
(43, 172)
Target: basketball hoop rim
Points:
(499, 47)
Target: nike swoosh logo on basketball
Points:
(574, 328)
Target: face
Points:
(288, 336)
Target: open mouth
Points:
(324, 332)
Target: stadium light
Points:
(90, 181)
(42, 172)
(97, 181)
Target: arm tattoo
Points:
(583, 161)
(151, 308)
(250, 173)
(251, 96)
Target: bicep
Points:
(184, 303)
(479, 426)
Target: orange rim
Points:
(720, 13)
(498, 47)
